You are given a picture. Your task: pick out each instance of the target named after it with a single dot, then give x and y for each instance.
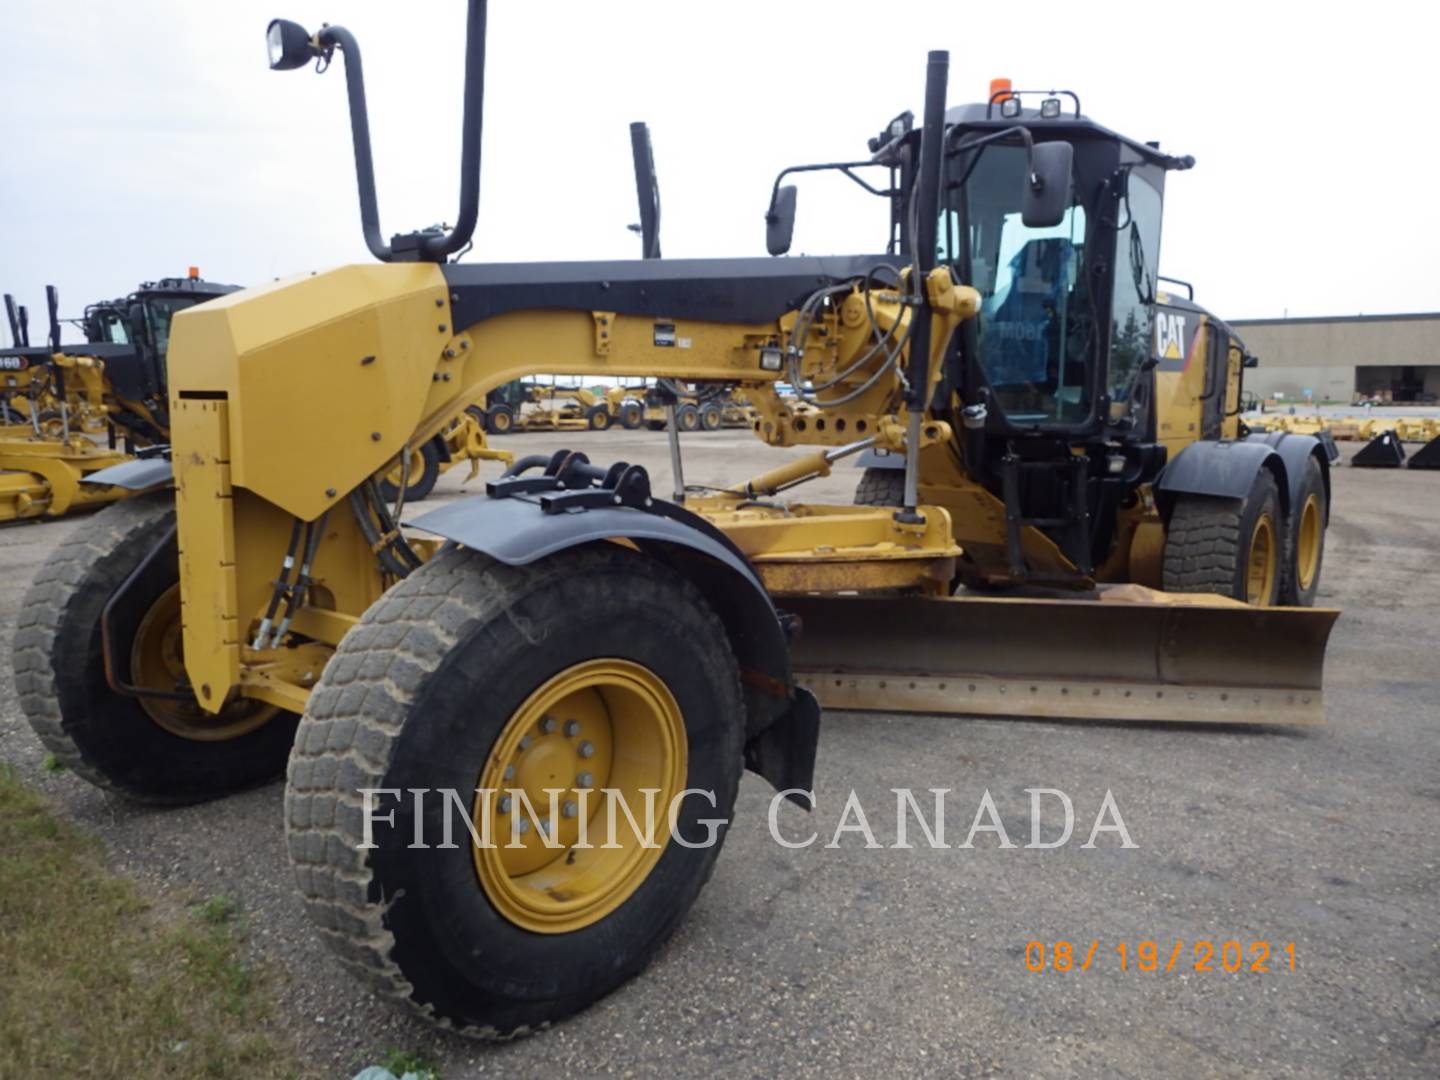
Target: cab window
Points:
(1137, 258)
(1036, 320)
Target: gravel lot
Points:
(856, 962)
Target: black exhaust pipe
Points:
(647, 190)
(925, 213)
(14, 318)
(52, 307)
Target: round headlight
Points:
(288, 44)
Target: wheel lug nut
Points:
(522, 825)
(509, 772)
(585, 780)
(547, 725)
(505, 804)
(572, 728)
(525, 742)
(543, 825)
(569, 810)
(587, 749)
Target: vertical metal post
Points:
(675, 467)
(647, 190)
(926, 200)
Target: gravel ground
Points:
(852, 961)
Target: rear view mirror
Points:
(780, 221)
(1048, 188)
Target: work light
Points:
(289, 45)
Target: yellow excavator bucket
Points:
(1123, 653)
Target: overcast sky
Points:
(149, 136)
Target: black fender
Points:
(1294, 450)
(880, 459)
(782, 720)
(1222, 468)
(137, 475)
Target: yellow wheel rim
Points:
(500, 421)
(1260, 570)
(1307, 543)
(157, 662)
(413, 473)
(603, 724)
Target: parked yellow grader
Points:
(573, 631)
(71, 411)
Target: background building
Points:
(1336, 359)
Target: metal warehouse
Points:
(1342, 358)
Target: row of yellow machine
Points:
(1031, 415)
(1384, 436)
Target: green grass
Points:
(52, 764)
(97, 983)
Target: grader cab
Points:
(573, 637)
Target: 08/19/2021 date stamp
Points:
(1231, 956)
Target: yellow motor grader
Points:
(73, 410)
(573, 632)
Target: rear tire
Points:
(711, 418)
(687, 418)
(1231, 547)
(656, 425)
(881, 487)
(424, 471)
(597, 417)
(106, 737)
(1305, 539)
(632, 416)
(500, 420)
(424, 693)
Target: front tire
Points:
(153, 750)
(420, 479)
(1232, 547)
(442, 686)
(632, 415)
(881, 487)
(597, 417)
(500, 420)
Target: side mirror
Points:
(780, 221)
(1048, 188)
(135, 316)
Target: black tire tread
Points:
(348, 734)
(130, 522)
(1203, 545)
(880, 487)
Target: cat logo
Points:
(1169, 336)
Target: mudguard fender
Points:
(1223, 468)
(1294, 450)
(137, 475)
(782, 719)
